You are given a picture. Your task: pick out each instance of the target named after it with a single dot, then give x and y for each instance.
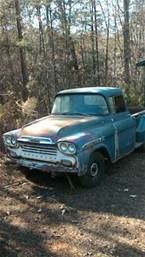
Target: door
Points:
(125, 127)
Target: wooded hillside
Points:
(46, 46)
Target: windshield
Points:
(81, 104)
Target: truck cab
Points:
(86, 127)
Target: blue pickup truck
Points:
(86, 128)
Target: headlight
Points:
(13, 141)
(68, 148)
(8, 140)
(72, 148)
(63, 147)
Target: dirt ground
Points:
(43, 217)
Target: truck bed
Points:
(135, 109)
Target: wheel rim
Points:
(94, 169)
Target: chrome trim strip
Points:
(39, 140)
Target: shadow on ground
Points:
(122, 193)
(47, 218)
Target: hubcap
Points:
(94, 169)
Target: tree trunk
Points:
(97, 44)
(71, 62)
(22, 52)
(92, 41)
(107, 23)
(53, 51)
(126, 36)
(107, 55)
(41, 34)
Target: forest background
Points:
(47, 46)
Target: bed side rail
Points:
(138, 114)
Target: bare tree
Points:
(96, 42)
(22, 52)
(106, 16)
(126, 38)
(41, 33)
(92, 40)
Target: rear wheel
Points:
(95, 171)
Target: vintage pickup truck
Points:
(86, 128)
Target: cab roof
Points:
(106, 91)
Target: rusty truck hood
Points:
(57, 126)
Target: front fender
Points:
(86, 152)
(97, 144)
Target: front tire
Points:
(95, 171)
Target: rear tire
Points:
(95, 171)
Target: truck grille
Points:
(37, 148)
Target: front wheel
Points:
(95, 171)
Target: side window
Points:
(111, 101)
(117, 104)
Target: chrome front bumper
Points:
(45, 166)
(44, 162)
